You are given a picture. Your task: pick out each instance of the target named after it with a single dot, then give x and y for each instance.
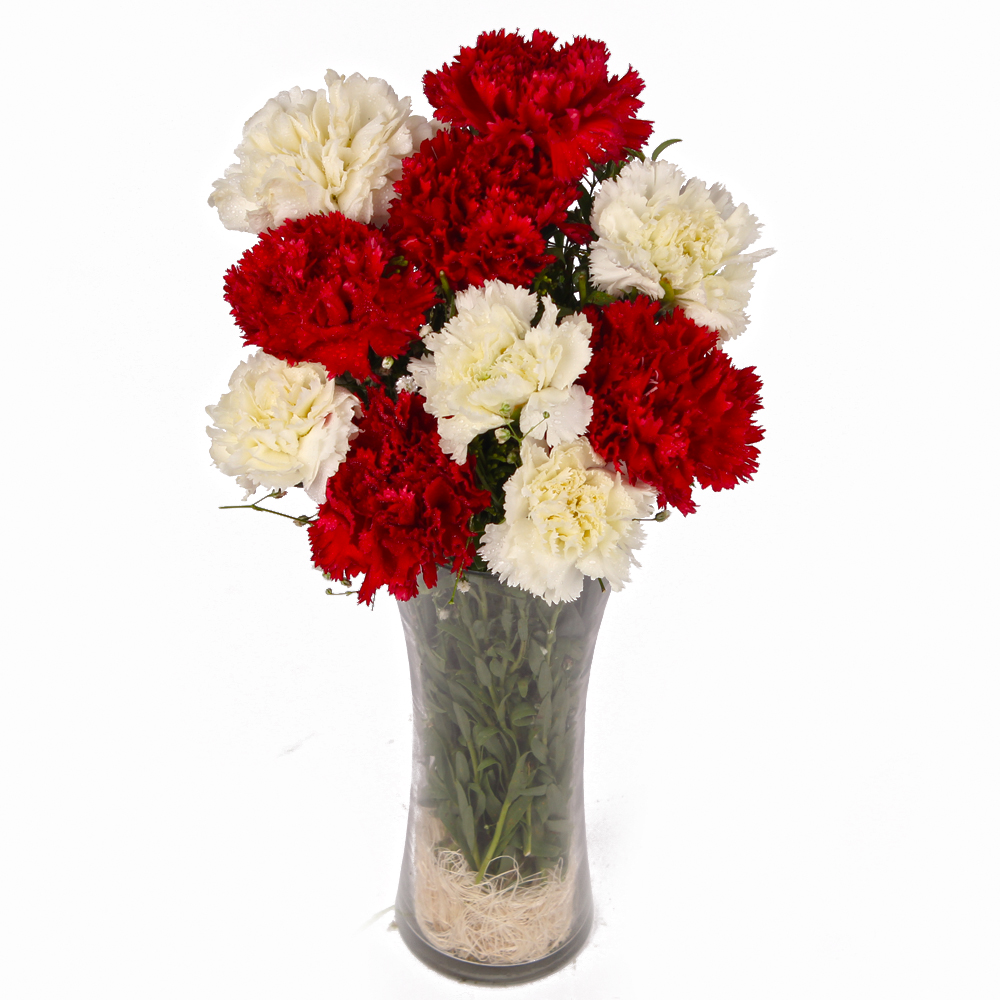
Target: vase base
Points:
(492, 975)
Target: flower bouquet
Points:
(489, 349)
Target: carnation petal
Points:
(318, 289)
(567, 516)
(557, 415)
(654, 227)
(561, 96)
(670, 409)
(308, 152)
(488, 361)
(397, 507)
(282, 425)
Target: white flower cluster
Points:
(281, 425)
(567, 516)
(656, 229)
(505, 361)
(309, 152)
(489, 364)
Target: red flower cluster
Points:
(561, 96)
(668, 405)
(321, 289)
(475, 207)
(398, 506)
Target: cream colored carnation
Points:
(308, 152)
(488, 366)
(655, 229)
(567, 515)
(282, 425)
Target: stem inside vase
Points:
(496, 843)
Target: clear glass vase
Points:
(495, 885)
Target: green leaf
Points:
(462, 772)
(536, 790)
(432, 659)
(536, 654)
(539, 750)
(435, 787)
(506, 619)
(433, 744)
(545, 715)
(519, 780)
(497, 667)
(662, 146)
(462, 719)
(483, 733)
(493, 804)
(557, 800)
(467, 818)
(501, 713)
(429, 703)
(449, 816)
(482, 672)
(542, 808)
(559, 825)
(458, 634)
(571, 624)
(516, 813)
(547, 849)
(522, 687)
(523, 712)
(480, 807)
(544, 680)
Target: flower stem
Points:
(302, 519)
(488, 857)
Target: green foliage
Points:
(501, 677)
(567, 280)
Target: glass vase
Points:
(495, 885)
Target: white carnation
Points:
(280, 425)
(488, 365)
(309, 152)
(654, 227)
(567, 516)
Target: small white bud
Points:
(503, 434)
(443, 613)
(463, 586)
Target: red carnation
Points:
(322, 289)
(475, 207)
(561, 96)
(669, 406)
(397, 506)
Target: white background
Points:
(792, 747)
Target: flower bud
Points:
(502, 434)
